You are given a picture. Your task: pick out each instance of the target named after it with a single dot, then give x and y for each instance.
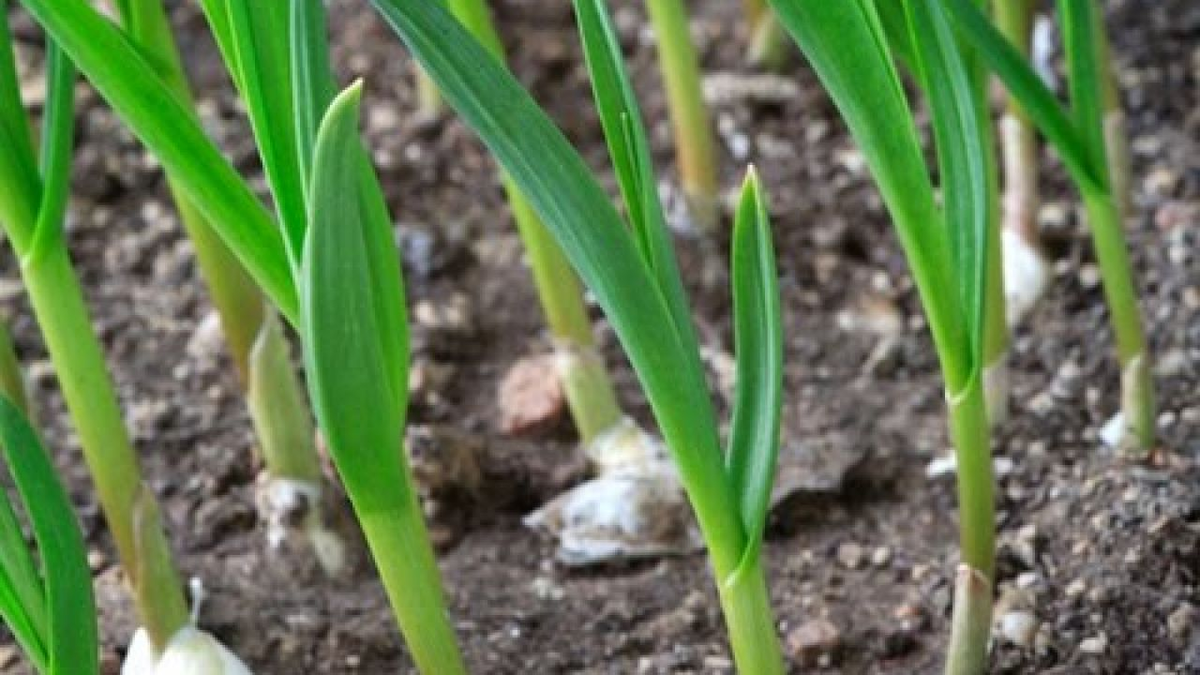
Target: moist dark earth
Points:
(1103, 555)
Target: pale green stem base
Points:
(588, 389)
(970, 624)
(286, 432)
(751, 622)
(977, 531)
(1116, 271)
(1137, 408)
(79, 363)
(399, 543)
(155, 573)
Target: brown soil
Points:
(1104, 554)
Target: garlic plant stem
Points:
(970, 623)
(91, 399)
(977, 531)
(398, 533)
(746, 604)
(694, 149)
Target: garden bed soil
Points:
(1101, 554)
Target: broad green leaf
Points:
(629, 149)
(576, 210)
(71, 636)
(261, 42)
(58, 143)
(160, 119)
(845, 43)
(1024, 84)
(1080, 20)
(758, 342)
(963, 161)
(312, 79)
(353, 324)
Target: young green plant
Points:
(634, 277)
(45, 590)
(946, 246)
(32, 210)
(343, 264)
(256, 341)
(1081, 134)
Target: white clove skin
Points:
(281, 501)
(190, 651)
(1026, 276)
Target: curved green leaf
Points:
(261, 43)
(160, 119)
(846, 45)
(71, 636)
(629, 150)
(962, 159)
(354, 326)
(1024, 84)
(758, 341)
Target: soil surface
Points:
(1102, 556)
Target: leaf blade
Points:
(72, 632)
(629, 150)
(1024, 84)
(963, 161)
(758, 339)
(358, 401)
(260, 33)
(156, 115)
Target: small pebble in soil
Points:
(530, 398)
(1018, 628)
(813, 642)
(1094, 645)
(881, 556)
(850, 555)
(1183, 622)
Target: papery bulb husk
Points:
(190, 652)
(1026, 276)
